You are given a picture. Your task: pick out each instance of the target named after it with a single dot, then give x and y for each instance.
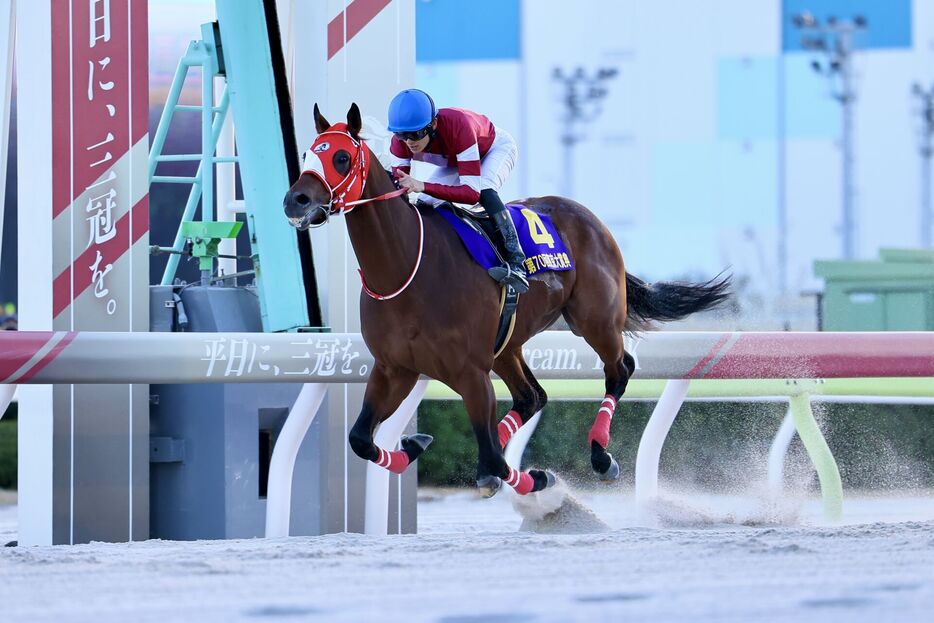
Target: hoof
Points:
(603, 463)
(489, 486)
(414, 445)
(543, 479)
(612, 472)
(600, 459)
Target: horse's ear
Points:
(354, 121)
(321, 124)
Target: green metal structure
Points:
(893, 293)
(205, 236)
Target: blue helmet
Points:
(411, 111)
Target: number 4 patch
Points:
(537, 229)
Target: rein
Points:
(418, 260)
(359, 170)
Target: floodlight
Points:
(804, 20)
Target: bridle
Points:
(346, 191)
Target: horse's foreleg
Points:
(617, 377)
(492, 469)
(528, 397)
(385, 391)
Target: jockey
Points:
(473, 159)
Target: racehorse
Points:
(428, 309)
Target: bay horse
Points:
(428, 309)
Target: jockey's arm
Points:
(468, 171)
(400, 158)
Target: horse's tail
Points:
(664, 301)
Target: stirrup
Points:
(518, 279)
(506, 275)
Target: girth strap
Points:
(508, 301)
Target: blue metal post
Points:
(208, 139)
(264, 172)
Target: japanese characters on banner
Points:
(316, 357)
(100, 195)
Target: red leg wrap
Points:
(600, 431)
(508, 427)
(522, 482)
(395, 461)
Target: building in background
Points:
(715, 125)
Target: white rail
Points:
(87, 357)
(284, 454)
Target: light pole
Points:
(834, 38)
(581, 95)
(927, 144)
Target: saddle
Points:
(474, 211)
(478, 220)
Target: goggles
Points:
(417, 135)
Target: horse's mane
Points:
(378, 138)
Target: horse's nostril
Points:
(302, 199)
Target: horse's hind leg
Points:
(604, 333)
(492, 470)
(617, 373)
(385, 391)
(528, 397)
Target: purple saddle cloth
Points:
(544, 249)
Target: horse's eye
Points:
(342, 158)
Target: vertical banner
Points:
(91, 191)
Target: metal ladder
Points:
(204, 54)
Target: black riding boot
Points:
(507, 239)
